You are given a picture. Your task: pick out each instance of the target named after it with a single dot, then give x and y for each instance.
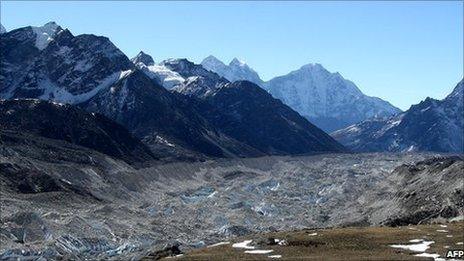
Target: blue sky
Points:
(399, 51)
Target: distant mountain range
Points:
(195, 119)
(183, 110)
(326, 99)
(431, 125)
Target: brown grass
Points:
(370, 243)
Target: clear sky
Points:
(399, 51)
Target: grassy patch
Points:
(369, 243)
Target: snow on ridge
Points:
(45, 34)
(168, 77)
(61, 95)
(420, 247)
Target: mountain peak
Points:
(211, 62)
(2, 29)
(212, 58)
(144, 58)
(237, 62)
(45, 34)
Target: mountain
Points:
(143, 58)
(235, 71)
(157, 72)
(431, 125)
(50, 63)
(170, 123)
(198, 81)
(2, 29)
(72, 125)
(326, 99)
(245, 112)
(249, 114)
(88, 71)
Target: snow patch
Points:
(219, 244)
(244, 245)
(434, 256)
(44, 34)
(421, 247)
(259, 251)
(162, 140)
(59, 94)
(168, 78)
(275, 256)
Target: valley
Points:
(109, 209)
(103, 157)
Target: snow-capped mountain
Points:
(431, 125)
(90, 72)
(246, 112)
(326, 99)
(236, 70)
(158, 72)
(49, 63)
(198, 81)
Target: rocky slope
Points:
(90, 72)
(66, 123)
(432, 125)
(48, 62)
(326, 99)
(249, 114)
(67, 201)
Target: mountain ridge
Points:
(90, 72)
(327, 99)
(431, 125)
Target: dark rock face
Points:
(249, 114)
(73, 125)
(157, 116)
(67, 69)
(432, 125)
